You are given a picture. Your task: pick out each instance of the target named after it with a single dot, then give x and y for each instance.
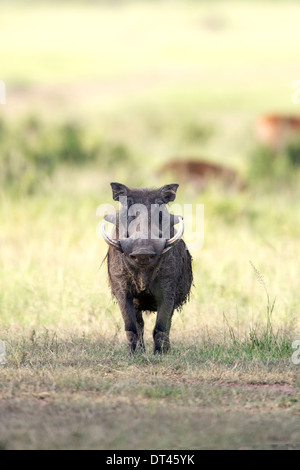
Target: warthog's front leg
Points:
(162, 326)
(129, 317)
(140, 330)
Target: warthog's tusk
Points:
(169, 244)
(177, 237)
(108, 240)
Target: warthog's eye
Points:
(129, 201)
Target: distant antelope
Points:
(276, 130)
(200, 171)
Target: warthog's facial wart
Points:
(144, 229)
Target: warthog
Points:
(149, 266)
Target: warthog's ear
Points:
(119, 190)
(168, 192)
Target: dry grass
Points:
(85, 392)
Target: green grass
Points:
(126, 89)
(66, 349)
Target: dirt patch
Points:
(89, 423)
(285, 389)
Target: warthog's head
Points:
(144, 229)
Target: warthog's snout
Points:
(142, 258)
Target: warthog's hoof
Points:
(132, 339)
(161, 343)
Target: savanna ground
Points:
(108, 91)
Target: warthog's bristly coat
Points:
(160, 284)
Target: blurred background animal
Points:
(201, 173)
(277, 130)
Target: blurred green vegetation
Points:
(127, 85)
(293, 152)
(272, 169)
(33, 150)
